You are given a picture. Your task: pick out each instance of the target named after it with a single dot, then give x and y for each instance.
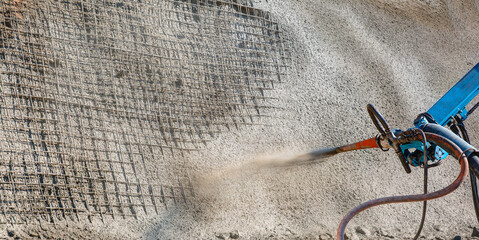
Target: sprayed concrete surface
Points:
(399, 55)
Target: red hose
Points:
(451, 148)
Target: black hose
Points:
(424, 204)
(473, 109)
(460, 127)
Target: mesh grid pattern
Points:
(100, 100)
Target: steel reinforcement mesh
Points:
(100, 100)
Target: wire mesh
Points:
(100, 100)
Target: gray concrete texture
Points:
(399, 55)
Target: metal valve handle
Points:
(384, 129)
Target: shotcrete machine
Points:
(437, 133)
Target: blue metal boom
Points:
(455, 100)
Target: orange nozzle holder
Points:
(368, 143)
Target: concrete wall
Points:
(399, 55)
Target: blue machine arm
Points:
(455, 100)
